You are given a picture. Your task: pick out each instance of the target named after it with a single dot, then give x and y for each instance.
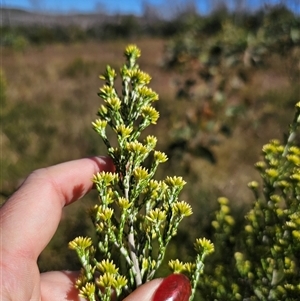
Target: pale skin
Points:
(29, 219)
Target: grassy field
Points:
(51, 99)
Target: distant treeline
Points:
(18, 34)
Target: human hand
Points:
(29, 219)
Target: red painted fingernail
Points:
(175, 287)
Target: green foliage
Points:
(279, 24)
(127, 27)
(3, 88)
(215, 69)
(260, 260)
(11, 38)
(276, 30)
(137, 215)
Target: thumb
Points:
(145, 292)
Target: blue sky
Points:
(128, 6)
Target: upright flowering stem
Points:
(136, 212)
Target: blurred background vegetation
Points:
(227, 81)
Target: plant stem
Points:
(132, 249)
(132, 252)
(293, 132)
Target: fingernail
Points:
(175, 287)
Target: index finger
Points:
(31, 216)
